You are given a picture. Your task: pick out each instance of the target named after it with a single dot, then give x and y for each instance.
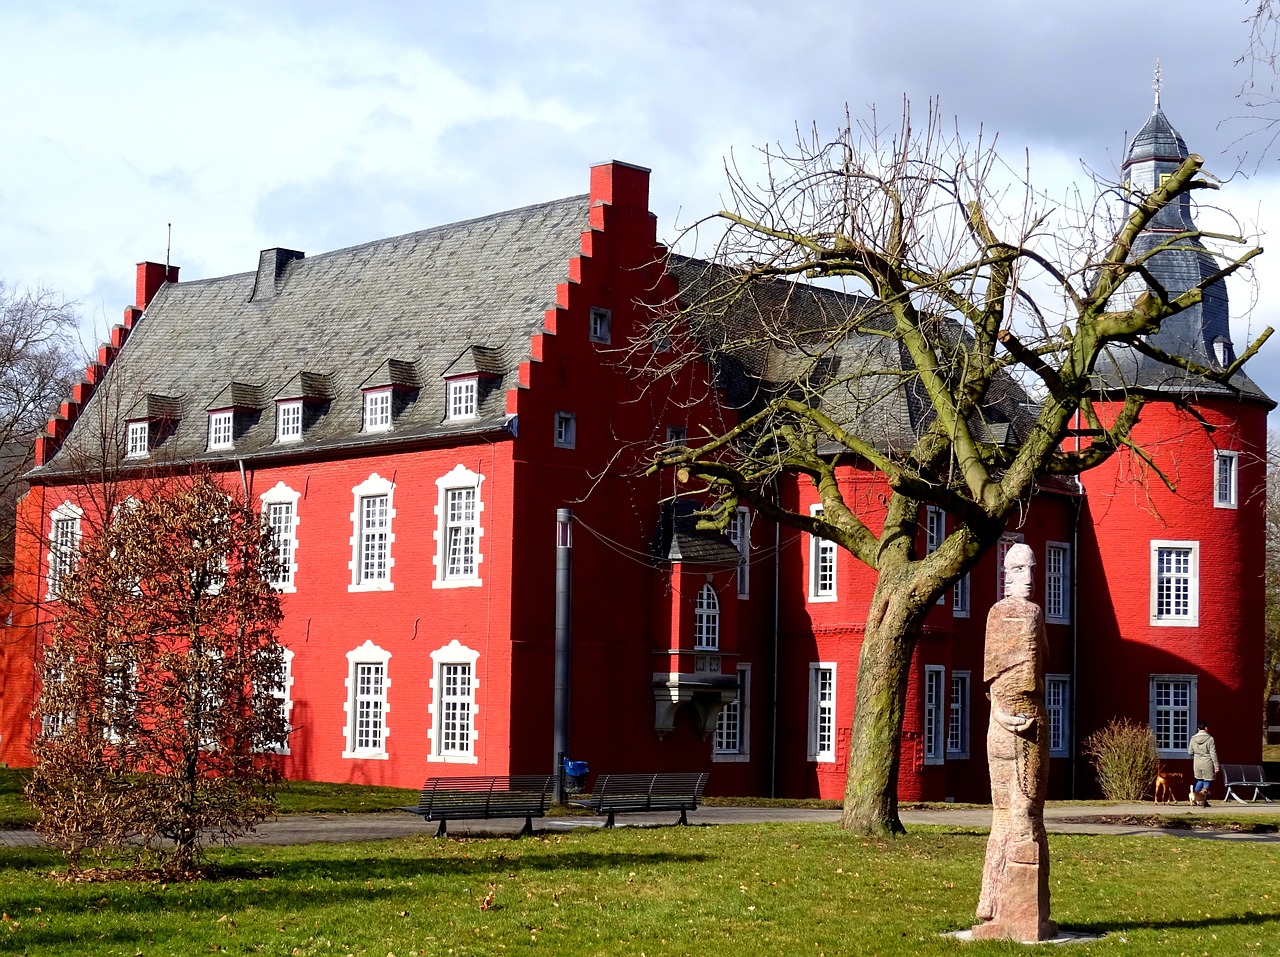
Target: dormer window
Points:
(221, 429)
(461, 398)
(138, 439)
(377, 410)
(601, 323)
(289, 421)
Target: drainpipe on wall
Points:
(564, 638)
(1076, 509)
(773, 704)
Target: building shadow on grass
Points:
(1249, 918)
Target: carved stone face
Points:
(1019, 571)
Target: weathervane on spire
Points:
(1156, 83)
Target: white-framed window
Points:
(1057, 583)
(934, 713)
(960, 597)
(1057, 706)
(280, 513)
(137, 439)
(566, 430)
(1172, 713)
(51, 725)
(740, 535)
(732, 736)
(706, 620)
(222, 429)
(283, 693)
(935, 530)
(289, 420)
(458, 530)
(1007, 541)
(601, 324)
(64, 544)
(453, 733)
(676, 435)
(822, 564)
(119, 700)
(958, 716)
(372, 537)
(822, 711)
(1175, 583)
(1226, 481)
(461, 397)
(377, 410)
(367, 705)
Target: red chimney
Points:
(620, 184)
(151, 276)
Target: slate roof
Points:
(461, 297)
(1199, 333)
(680, 539)
(831, 340)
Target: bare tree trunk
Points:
(875, 743)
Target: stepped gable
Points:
(1201, 333)
(423, 298)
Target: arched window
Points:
(706, 620)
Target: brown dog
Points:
(1169, 785)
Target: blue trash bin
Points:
(575, 775)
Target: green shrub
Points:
(1125, 757)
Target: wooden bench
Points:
(517, 795)
(622, 793)
(1246, 776)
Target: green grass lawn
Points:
(721, 891)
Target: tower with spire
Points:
(1172, 546)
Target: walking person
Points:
(1204, 763)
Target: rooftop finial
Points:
(1156, 83)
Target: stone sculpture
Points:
(1014, 903)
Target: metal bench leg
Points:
(1231, 793)
(442, 831)
(528, 826)
(609, 823)
(683, 820)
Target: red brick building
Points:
(411, 413)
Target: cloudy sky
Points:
(322, 124)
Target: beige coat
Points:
(1204, 755)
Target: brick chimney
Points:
(620, 184)
(151, 276)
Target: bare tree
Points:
(39, 357)
(159, 704)
(948, 296)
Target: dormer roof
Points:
(476, 360)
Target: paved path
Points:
(1059, 818)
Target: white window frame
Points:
(822, 712)
(601, 325)
(958, 715)
(51, 725)
(935, 531)
(740, 535)
(372, 488)
(822, 554)
(120, 696)
(284, 695)
(1057, 707)
(1057, 583)
(459, 479)
(1192, 617)
(732, 739)
(935, 712)
(289, 420)
(960, 596)
(1174, 748)
(371, 655)
(1226, 486)
(462, 398)
(566, 430)
(222, 430)
(65, 535)
(452, 655)
(377, 410)
(1007, 541)
(286, 544)
(706, 620)
(137, 443)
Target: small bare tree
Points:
(159, 705)
(968, 298)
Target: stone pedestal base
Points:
(1022, 912)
